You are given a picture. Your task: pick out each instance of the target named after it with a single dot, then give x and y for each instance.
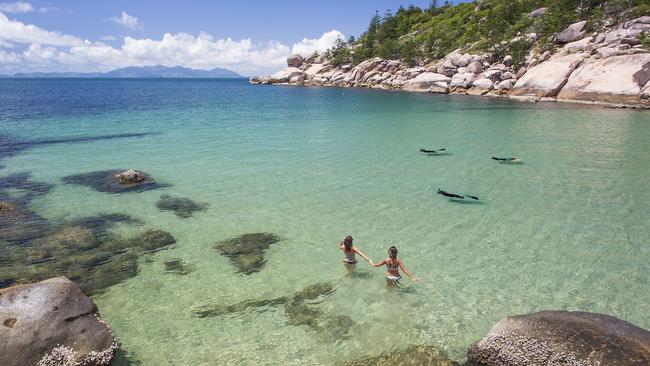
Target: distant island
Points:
(157, 71)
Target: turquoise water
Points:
(567, 229)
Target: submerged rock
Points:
(154, 240)
(182, 207)
(246, 251)
(82, 250)
(562, 338)
(52, 323)
(299, 308)
(413, 356)
(177, 266)
(219, 310)
(114, 181)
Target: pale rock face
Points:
(642, 23)
(475, 67)
(314, 69)
(613, 79)
(428, 82)
(630, 36)
(547, 78)
(294, 60)
(286, 74)
(461, 70)
(493, 75)
(577, 46)
(413, 71)
(507, 75)
(505, 85)
(605, 52)
(573, 32)
(537, 13)
(463, 80)
(297, 79)
(483, 83)
(521, 72)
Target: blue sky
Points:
(251, 37)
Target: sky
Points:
(248, 37)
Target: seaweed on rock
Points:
(246, 251)
(177, 266)
(182, 207)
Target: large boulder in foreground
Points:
(617, 79)
(547, 78)
(562, 338)
(52, 323)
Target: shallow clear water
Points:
(567, 229)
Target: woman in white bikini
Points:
(393, 264)
(349, 252)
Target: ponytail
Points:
(347, 243)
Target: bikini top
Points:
(349, 256)
(393, 265)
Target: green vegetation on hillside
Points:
(413, 34)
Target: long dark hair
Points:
(392, 252)
(347, 243)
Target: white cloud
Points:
(17, 32)
(41, 50)
(306, 47)
(128, 21)
(17, 7)
(108, 37)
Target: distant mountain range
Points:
(158, 71)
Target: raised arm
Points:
(361, 254)
(340, 245)
(382, 263)
(401, 265)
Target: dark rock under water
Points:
(182, 207)
(107, 181)
(82, 250)
(246, 251)
(177, 266)
(300, 309)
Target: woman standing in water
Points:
(349, 252)
(393, 264)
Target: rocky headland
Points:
(608, 67)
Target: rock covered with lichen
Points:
(52, 323)
(562, 338)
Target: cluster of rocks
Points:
(610, 67)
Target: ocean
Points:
(299, 168)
